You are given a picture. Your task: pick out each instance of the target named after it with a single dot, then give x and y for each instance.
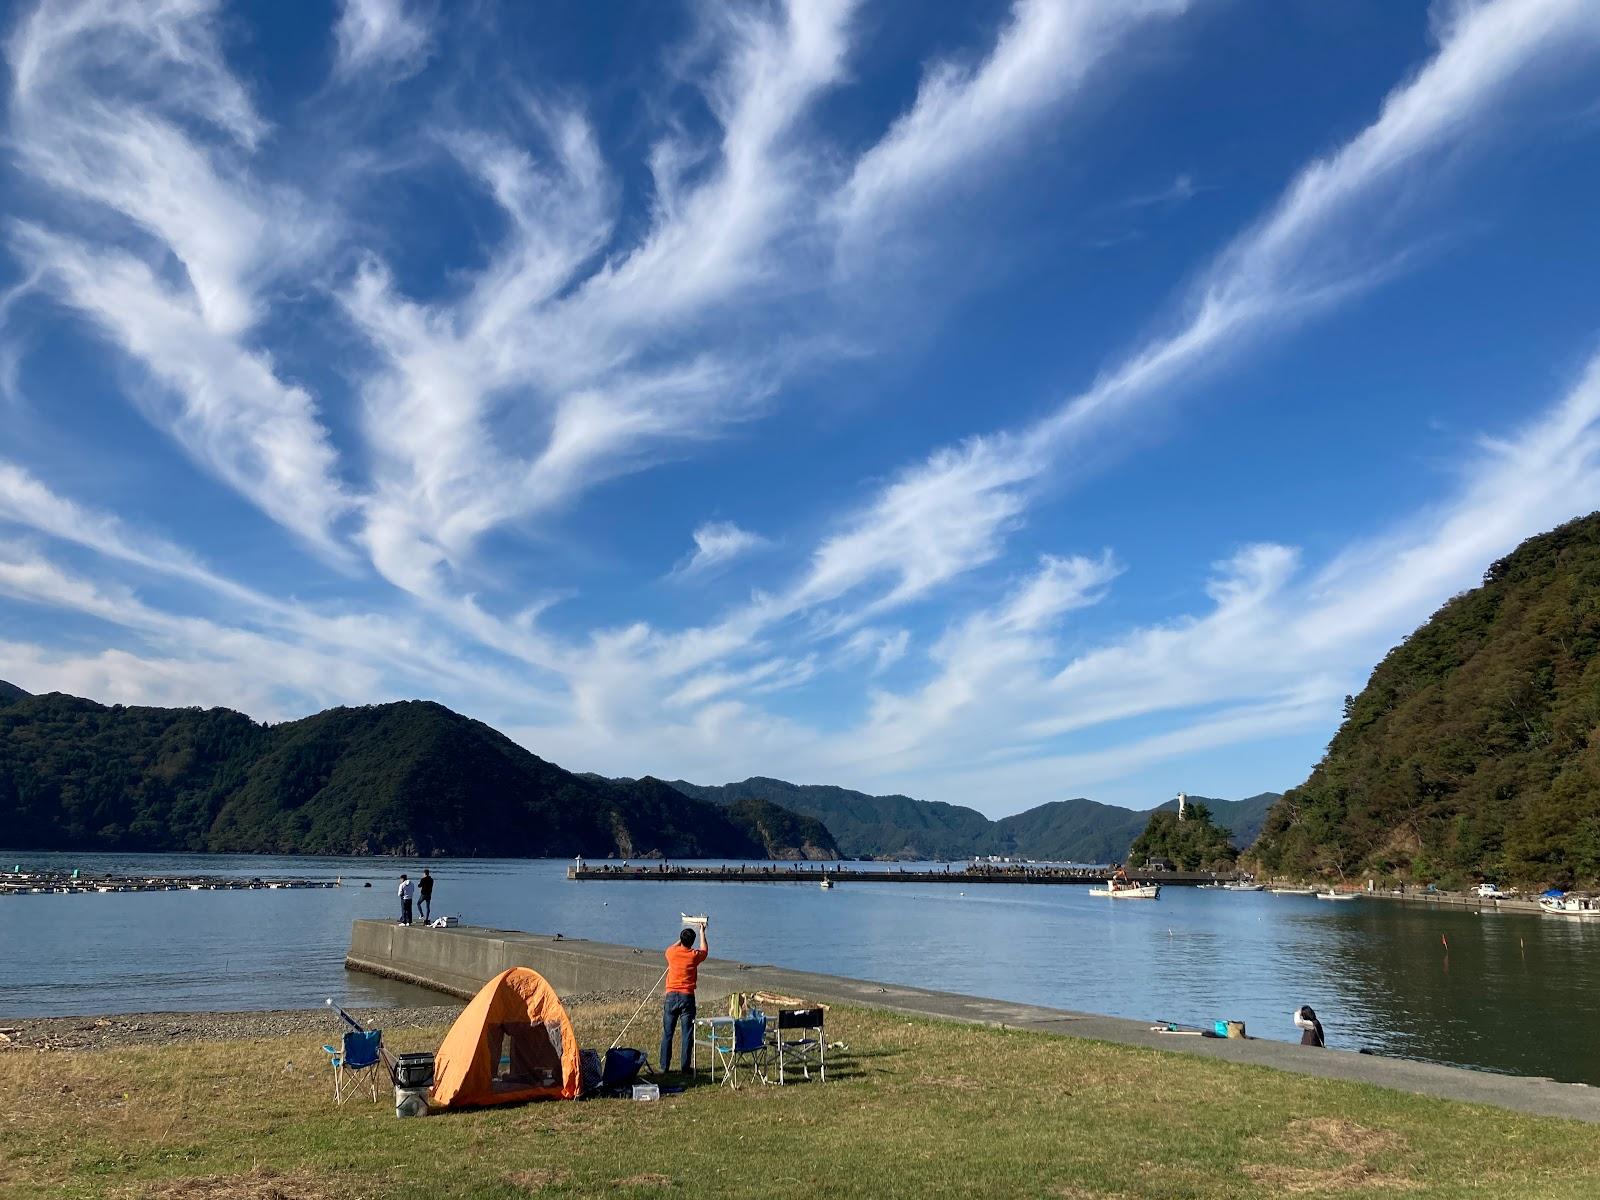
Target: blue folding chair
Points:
(355, 1063)
(747, 1047)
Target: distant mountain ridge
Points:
(897, 826)
(10, 692)
(409, 778)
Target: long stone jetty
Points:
(817, 873)
(70, 883)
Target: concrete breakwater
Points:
(36, 883)
(776, 873)
(460, 960)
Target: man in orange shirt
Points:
(683, 969)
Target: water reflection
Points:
(1517, 994)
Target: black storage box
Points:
(414, 1070)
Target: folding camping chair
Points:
(798, 1042)
(355, 1063)
(736, 1043)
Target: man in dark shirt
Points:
(677, 1005)
(425, 896)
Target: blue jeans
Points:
(676, 1007)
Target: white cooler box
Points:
(410, 1102)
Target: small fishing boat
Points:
(1292, 891)
(1239, 885)
(1337, 895)
(1129, 891)
(1577, 907)
(826, 885)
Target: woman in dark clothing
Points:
(1306, 1018)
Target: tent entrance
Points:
(526, 1054)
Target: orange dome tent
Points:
(513, 1042)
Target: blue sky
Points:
(996, 403)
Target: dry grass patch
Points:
(259, 1184)
(1336, 1156)
(538, 1179)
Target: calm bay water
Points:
(1514, 993)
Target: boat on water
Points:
(1292, 891)
(1128, 891)
(1578, 907)
(1239, 885)
(1336, 895)
(826, 885)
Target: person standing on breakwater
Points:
(405, 900)
(677, 1002)
(425, 896)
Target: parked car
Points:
(1487, 889)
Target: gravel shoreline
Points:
(174, 1028)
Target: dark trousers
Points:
(425, 906)
(405, 912)
(677, 1007)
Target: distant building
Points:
(1160, 864)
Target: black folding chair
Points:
(799, 1042)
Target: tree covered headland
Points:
(1474, 750)
(1193, 842)
(406, 778)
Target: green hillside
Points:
(1193, 842)
(868, 826)
(899, 827)
(781, 833)
(407, 778)
(1474, 749)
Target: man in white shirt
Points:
(405, 900)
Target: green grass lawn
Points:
(912, 1108)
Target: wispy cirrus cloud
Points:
(968, 115)
(131, 111)
(1307, 251)
(619, 297)
(717, 543)
(388, 36)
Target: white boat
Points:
(826, 885)
(1578, 907)
(1337, 895)
(1292, 891)
(1129, 891)
(1239, 885)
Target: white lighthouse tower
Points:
(1183, 804)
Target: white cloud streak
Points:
(717, 543)
(387, 36)
(589, 340)
(963, 117)
(130, 109)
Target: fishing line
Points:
(648, 996)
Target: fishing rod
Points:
(348, 1019)
(647, 997)
(691, 922)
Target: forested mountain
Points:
(781, 833)
(412, 778)
(866, 826)
(1475, 747)
(10, 692)
(900, 827)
